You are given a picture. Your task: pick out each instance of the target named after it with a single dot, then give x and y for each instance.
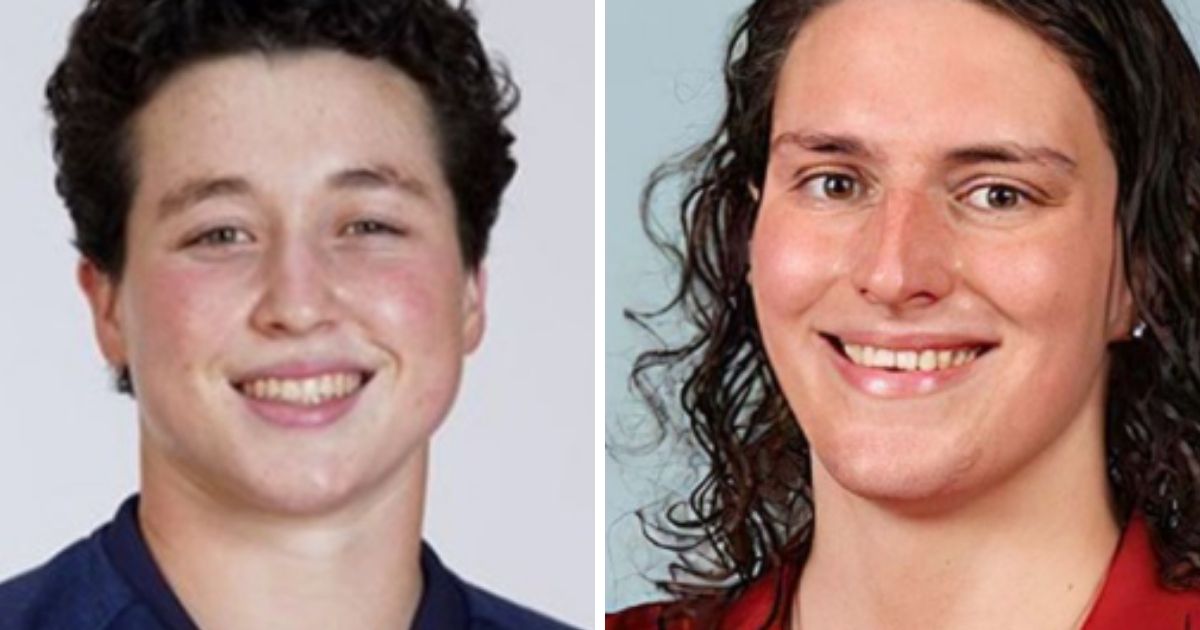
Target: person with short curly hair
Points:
(282, 209)
(941, 262)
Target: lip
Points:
(880, 383)
(292, 416)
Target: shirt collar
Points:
(443, 604)
(125, 547)
(1133, 595)
(443, 599)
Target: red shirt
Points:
(1131, 598)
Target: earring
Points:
(1139, 330)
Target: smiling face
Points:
(934, 263)
(294, 306)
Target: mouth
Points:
(931, 358)
(308, 391)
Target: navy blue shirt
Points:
(109, 581)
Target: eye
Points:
(832, 187)
(995, 197)
(222, 236)
(369, 227)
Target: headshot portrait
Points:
(914, 338)
(289, 275)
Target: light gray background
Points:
(511, 502)
(663, 93)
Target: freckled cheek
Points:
(791, 264)
(185, 315)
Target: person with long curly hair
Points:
(282, 210)
(941, 264)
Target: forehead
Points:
(278, 115)
(944, 71)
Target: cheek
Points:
(412, 311)
(1046, 285)
(183, 314)
(791, 264)
(415, 299)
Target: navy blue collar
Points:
(127, 550)
(443, 599)
(443, 604)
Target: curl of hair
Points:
(121, 51)
(752, 510)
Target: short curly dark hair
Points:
(122, 51)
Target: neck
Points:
(232, 566)
(1029, 553)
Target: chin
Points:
(308, 491)
(299, 483)
(897, 468)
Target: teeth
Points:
(944, 359)
(909, 360)
(928, 360)
(305, 391)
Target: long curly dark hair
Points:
(752, 510)
(121, 51)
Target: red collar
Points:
(1131, 597)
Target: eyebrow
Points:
(823, 143)
(378, 176)
(1013, 153)
(201, 189)
(1003, 152)
(372, 177)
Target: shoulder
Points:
(450, 601)
(646, 616)
(489, 610)
(1148, 604)
(78, 589)
(700, 614)
(1134, 596)
(763, 604)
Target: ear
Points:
(1122, 315)
(101, 292)
(474, 307)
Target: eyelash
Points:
(228, 236)
(213, 237)
(372, 227)
(822, 179)
(1022, 197)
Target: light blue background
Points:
(664, 93)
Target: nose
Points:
(904, 256)
(296, 297)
